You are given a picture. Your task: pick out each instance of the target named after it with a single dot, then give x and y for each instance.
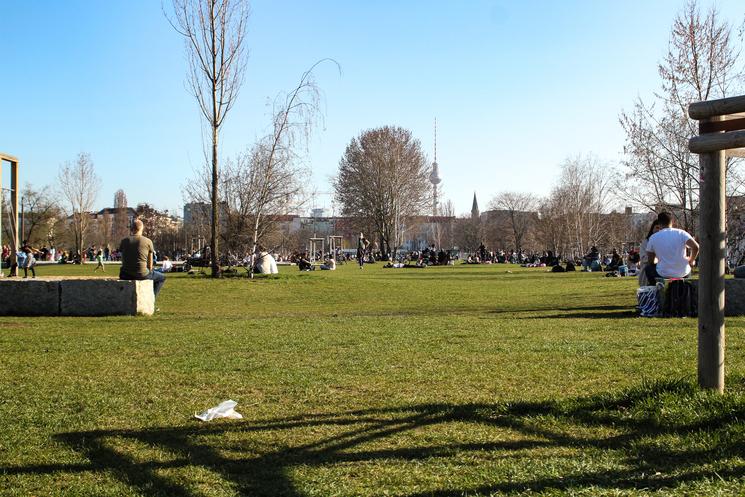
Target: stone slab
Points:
(734, 296)
(29, 297)
(105, 297)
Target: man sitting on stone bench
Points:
(670, 246)
(137, 258)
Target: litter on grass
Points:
(223, 410)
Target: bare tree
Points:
(519, 213)
(41, 214)
(269, 179)
(572, 218)
(442, 225)
(121, 217)
(468, 232)
(259, 186)
(550, 229)
(104, 229)
(276, 178)
(383, 178)
(701, 63)
(215, 33)
(79, 185)
(160, 227)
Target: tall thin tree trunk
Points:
(214, 245)
(215, 124)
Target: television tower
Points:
(434, 177)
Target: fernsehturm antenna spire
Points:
(434, 177)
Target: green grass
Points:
(465, 380)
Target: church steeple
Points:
(475, 208)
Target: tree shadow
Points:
(571, 312)
(256, 458)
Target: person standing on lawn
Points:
(362, 244)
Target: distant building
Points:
(197, 212)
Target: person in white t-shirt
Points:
(166, 266)
(265, 263)
(674, 249)
(329, 263)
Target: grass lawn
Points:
(465, 380)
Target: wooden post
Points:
(14, 210)
(720, 129)
(2, 274)
(711, 271)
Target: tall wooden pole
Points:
(711, 272)
(14, 210)
(2, 274)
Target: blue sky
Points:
(516, 86)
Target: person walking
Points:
(362, 245)
(99, 260)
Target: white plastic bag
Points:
(223, 410)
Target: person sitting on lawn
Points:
(166, 266)
(615, 261)
(329, 264)
(137, 258)
(591, 259)
(643, 261)
(674, 249)
(265, 262)
(303, 262)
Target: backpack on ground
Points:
(557, 269)
(681, 300)
(648, 303)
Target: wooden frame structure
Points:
(336, 242)
(313, 246)
(13, 210)
(720, 129)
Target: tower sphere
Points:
(434, 176)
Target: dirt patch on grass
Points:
(12, 325)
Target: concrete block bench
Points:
(75, 297)
(734, 296)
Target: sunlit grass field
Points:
(464, 380)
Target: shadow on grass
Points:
(567, 312)
(662, 434)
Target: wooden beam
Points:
(8, 157)
(721, 107)
(724, 125)
(735, 152)
(716, 141)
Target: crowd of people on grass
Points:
(94, 253)
(666, 252)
